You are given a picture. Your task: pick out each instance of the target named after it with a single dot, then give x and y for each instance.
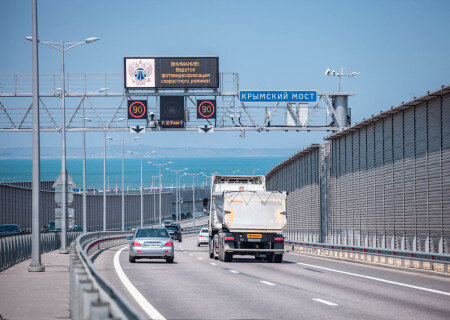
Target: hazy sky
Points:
(401, 49)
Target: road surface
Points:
(302, 287)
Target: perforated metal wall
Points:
(385, 182)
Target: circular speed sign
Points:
(137, 109)
(206, 109)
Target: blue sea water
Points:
(20, 169)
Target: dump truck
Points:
(245, 219)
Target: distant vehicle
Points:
(51, 226)
(151, 243)
(167, 222)
(175, 231)
(10, 229)
(246, 219)
(203, 237)
(77, 228)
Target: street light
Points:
(142, 155)
(177, 192)
(123, 174)
(160, 184)
(193, 193)
(235, 171)
(208, 176)
(104, 126)
(63, 47)
(254, 170)
(36, 263)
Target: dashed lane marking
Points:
(140, 299)
(268, 283)
(325, 302)
(378, 279)
(200, 258)
(234, 271)
(213, 264)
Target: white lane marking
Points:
(140, 299)
(200, 258)
(378, 279)
(213, 264)
(234, 271)
(191, 254)
(325, 301)
(268, 283)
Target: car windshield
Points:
(9, 228)
(172, 228)
(152, 233)
(204, 231)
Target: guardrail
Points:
(15, 249)
(412, 259)
(91, 296)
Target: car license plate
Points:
(152, 244)
(254, 235)
(254, 240)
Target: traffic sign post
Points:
(62, 217)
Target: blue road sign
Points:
(278, 96)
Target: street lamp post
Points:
(193, 194)
(123, 174)
(104, 126)
(63, 47)
(254, 170)
(35, 264)
(235, 171)
(160, 185)
(141, 188)
(177, 192)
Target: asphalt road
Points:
(302, 287)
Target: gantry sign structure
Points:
(166, 94)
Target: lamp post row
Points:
(36, 265)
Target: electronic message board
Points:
(206, 109)
(137, 109)
(171, 72)
(171, 112)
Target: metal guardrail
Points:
(91, 296)
(411, 255)
(15, 249)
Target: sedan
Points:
(203, 237)
(151, 243)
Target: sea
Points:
(21, 169)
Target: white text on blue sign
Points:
(278, 96)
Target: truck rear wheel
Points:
(277, 258)
(227, 256)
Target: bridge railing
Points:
(15, 249)
(91, 296)
(409, 259)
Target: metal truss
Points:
(102, 98)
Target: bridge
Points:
(368, 236)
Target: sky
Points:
(400, 48)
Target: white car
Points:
(203, 237)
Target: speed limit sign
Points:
(206, 109)
(137, 109)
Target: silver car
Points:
(151, 243)
(203, 237)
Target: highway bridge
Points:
(302, 287)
